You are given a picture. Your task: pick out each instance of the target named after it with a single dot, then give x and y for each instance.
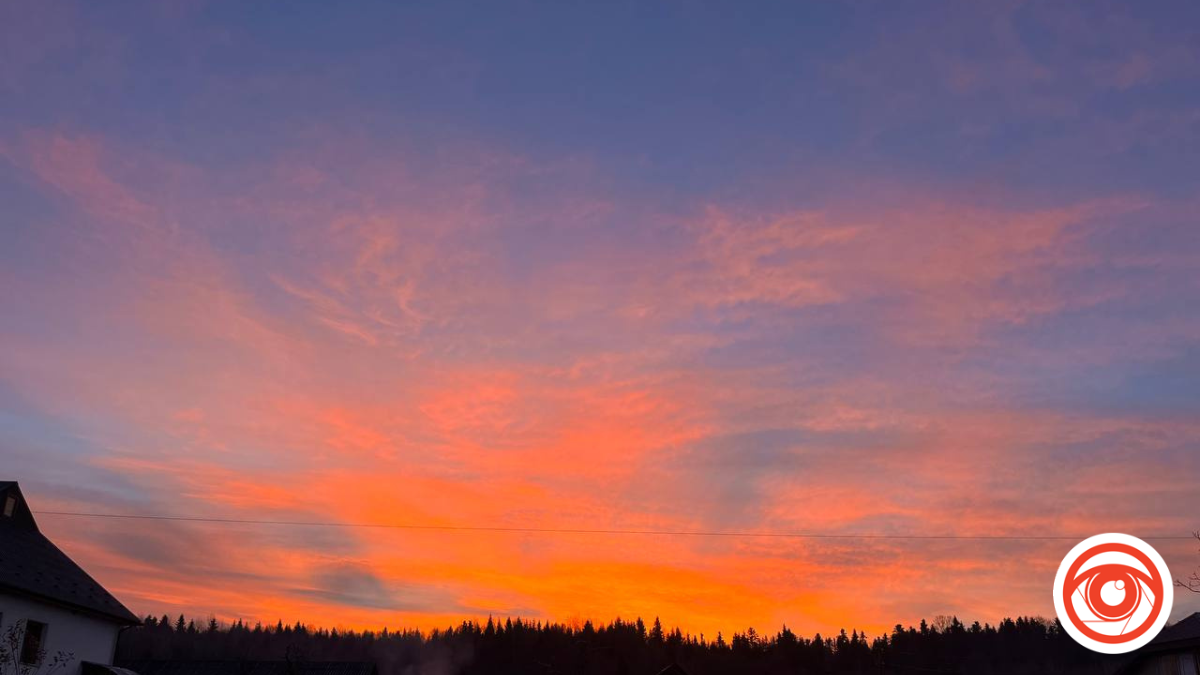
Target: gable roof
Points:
(1183, 633)
(31, 565)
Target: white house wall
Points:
(90, 639)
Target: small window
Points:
(34, 642)
(10, 505)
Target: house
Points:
(52, 602)
(1174, 651)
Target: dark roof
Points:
(31, 565)
(93, 668)
(1182, 633)
(250, 667)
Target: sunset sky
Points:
(849, 268)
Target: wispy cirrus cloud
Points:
(335, 316)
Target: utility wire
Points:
(575, 530)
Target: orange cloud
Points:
(404, 352)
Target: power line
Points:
(575, 530)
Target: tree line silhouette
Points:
(512, 646)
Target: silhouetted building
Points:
(1176, 651)
(55, 604)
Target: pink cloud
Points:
(385, 362)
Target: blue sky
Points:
(837, 267)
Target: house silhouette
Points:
(47, 599)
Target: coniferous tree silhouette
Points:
(1017, 646)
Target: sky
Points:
(843, 267)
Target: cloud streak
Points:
(348, 318)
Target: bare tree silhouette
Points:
(13, 660)
(1192, 583)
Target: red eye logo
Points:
(1112, 593)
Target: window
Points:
(34, 642)
(10, 505)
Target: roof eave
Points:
(129, 619)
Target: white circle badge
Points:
(1113, 593)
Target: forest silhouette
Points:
(511, 646)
